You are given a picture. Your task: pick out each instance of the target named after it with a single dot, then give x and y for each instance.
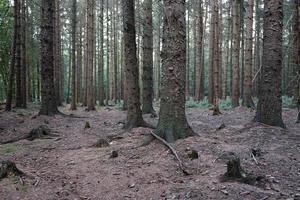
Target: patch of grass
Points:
(10, 149)
(19, 184)
(198, 104)
(225, 104)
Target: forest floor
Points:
(70, 167)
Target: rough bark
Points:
(79, 64)
(247, 97)
(18, 55)
(147, 44)
(49, 106)
(8, 105)
(199, 93)
(226, 55)
(90, 53)
(107, 53)
(235, 52)
(101, 57)
(173, 124)
(74, 22)
(269, 108)
(23, 57)
(134, 113)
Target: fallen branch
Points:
(181, 165)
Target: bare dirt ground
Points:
(69, 167)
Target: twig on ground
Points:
(252, 155)
(181, 165)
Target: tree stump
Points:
(234, 169)
(9, 168)
(101, 143)
(39, 132)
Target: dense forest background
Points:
(108, 66)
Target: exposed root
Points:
(41, 132)
(181, 164)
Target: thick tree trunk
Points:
(173, 124)
(9, 97)
(187, 81)
(49, 106)
(134, 113)
(147, 77)
(74, 21)
(247, 97)
(90, 53)
(23, 56)
(199, 56)
(235, 53)
(269, 108)
(257, 63)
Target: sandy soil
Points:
(69, 167)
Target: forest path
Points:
(69, 167)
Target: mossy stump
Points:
(8, 168)
(101, 143)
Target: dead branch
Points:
(181, 164)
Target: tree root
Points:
(8, 168)
(181, 164)
(41, 132)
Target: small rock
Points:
(225, 192)
(87, 125)
(114, 154)
(131, 185)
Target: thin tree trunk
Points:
(74, 22)
(134, 113)
(23, 56)
(199, 55)
(247, 97)
(18, 55)
(147, 45)
(235, 53)
(101, 57)
(90, 53)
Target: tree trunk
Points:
(74, 21)
(101, 57)
(269, 108)
(79, 64)
(13, 61)
(199, 55)
(107, 54)
(134, 113)
(18, 55)
(147, 44)
(49, 106)
(236, 52)
(90, 53)
(257, 63)
(173, 124)
(23, 57)
(247, 97)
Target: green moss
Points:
(10, 149)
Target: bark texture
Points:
(134, 113)
(173, 124)
(49, 106)
(269, 108)
(74, 19)
(247, 97)
(147, 76)
(235, 52)
(90, 53)
(199, 93)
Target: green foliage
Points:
(225, 104)
(287, 102)
(119, 105)
(201, 104)
(10, 149)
